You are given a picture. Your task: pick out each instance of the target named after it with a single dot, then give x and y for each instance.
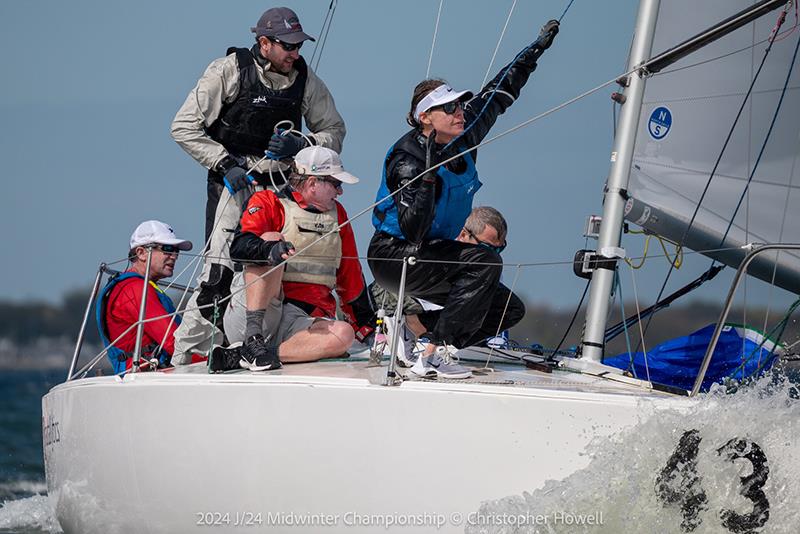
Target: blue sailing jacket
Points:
(452, 207)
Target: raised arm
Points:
(503, 90)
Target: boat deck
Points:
(496, 377)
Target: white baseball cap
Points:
(439, 96)
(157, 232)
(322, 161)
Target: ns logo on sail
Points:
(660, 123)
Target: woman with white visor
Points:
(426, 216)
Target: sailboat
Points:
(340, 446)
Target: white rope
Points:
(503, 315)
(433, 44)
(639, 322)
(497, 47)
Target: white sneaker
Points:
(407, 350)
(441, 364)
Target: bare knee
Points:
(324, 339)
(344, 333)
(337, 336)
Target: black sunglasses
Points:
(331, 180)
(450, 107)
(168, 249)
(496, 248)
(289, 47)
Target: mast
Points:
(621, 159)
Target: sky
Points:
(90, 89)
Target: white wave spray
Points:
(630, 485)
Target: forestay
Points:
(689, 109)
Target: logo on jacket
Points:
(253, 210)
(261, 100)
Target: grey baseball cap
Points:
(283, 24)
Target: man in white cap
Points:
(287, 315)
(119, 302)
(227, 123)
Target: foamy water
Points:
(617, 492)
(31, 515)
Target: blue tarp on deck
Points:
(677, 362)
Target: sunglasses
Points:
(168, 249)
(450, 107)
(496, 248)
(288, 47)
(331, 180)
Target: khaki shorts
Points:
(282, 320)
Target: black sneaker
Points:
(256, 355)
(225, 358)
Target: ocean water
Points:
(24, 507)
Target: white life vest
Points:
(319, 263)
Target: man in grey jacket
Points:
(228, 124)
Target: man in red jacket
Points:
(287, 313)
(119, 302)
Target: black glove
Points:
(548, 33)
(277, 250)
(284, 146)
(234, 176)
(430, 144)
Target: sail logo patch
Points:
(660, 123)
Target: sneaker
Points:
(225, 358)
(407, 355)
(441, 365)
(256, 355)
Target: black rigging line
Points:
(323, 34)
(764, 144)
(572, 321)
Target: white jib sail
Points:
(689, 109)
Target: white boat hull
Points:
(169, 452)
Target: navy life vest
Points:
(452, 207)
(116, 356)
(245, 125)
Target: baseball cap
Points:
(322, 161)
(441, 95)
(281, 23)
(157, 232)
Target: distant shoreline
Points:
(45, 354)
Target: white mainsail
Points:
(689, 109)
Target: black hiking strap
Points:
(620, 327)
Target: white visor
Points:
(441, 95)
